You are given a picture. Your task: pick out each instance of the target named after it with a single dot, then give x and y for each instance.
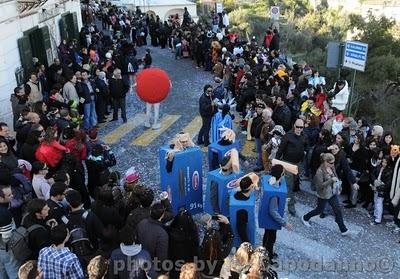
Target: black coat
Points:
(118, 87)
(83, 91)
(205, 107)
(283, 116)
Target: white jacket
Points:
(341, 98)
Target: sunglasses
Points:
(331, 162)
(299, 127)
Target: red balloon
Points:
(152, 85)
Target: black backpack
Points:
(79, 242)
(19, 242)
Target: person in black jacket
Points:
(274, 45)
(207, 109)
(183, 240)
(282, 114)
(37, 214)
(217, 243)
(91, 225)
(292, 149)
(32, 142)
(57, 211)
(118, 89)
(101, 84)
(86, 90)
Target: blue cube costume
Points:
(216, 152)
(217, 200)
(184, 183)
(249, 206)
(264, 219)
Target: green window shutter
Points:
(63, 28)
(47, 45)
(75, 25)
(25, 53)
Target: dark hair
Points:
(74, 198)
(3, 124)
(212, 245)
(58, 234)
(388, 133)
(105, 197)
(146, 197)
(156, 211)
(58, 188)
(35, 206)
(127, 236)
(184, 223)
(360, 137)
(17, 89)
(206, 87)
(37, 166)
(2, 187)
(245, 183)
(326, 137)
(38, 107)
(60, 176)
(49, 136)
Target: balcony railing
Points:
(27, 5)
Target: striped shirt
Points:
(59, 263)
(7, 225)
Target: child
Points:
(272, 146)
(147, 60)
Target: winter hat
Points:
(276, 174)
(278, 129)
(108, 55)
(24, 164)
(132, 175)
(224, 49)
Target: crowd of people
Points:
(65, 214)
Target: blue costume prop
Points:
(264, 218)
(184, 183)
(216, 152)
(217, 200)
(248, 205)
(218, 122)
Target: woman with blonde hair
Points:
(328, 188)
(238, 263)
(97, 267)
(189, 271)
(259, 265)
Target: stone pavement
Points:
(316, 252)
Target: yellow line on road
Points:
(247, 149)
(149, 135)
(193, 127)
(122, 130)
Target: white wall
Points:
(11, 29)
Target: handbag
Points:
(337, 187)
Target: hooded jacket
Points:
(341, 98)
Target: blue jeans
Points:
(8, 265)
(334, 203)
(259, 153)
(178, 52)
(90, 117)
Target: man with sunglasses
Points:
(292, 149)
(207, 110)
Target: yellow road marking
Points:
(193, 127)
(247, 149)
(149, 135)
(122, 130)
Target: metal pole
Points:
(351, 93)
(340, 62)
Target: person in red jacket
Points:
(268, 38)
(50, 150)
(78, 148)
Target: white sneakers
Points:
(347, 232)
(306, 223)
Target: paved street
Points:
(317, 252)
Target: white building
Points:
(31, 28)
(162, 8)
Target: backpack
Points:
(79, 242)
(133, 66)
(19, 242)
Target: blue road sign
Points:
(355, 55)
